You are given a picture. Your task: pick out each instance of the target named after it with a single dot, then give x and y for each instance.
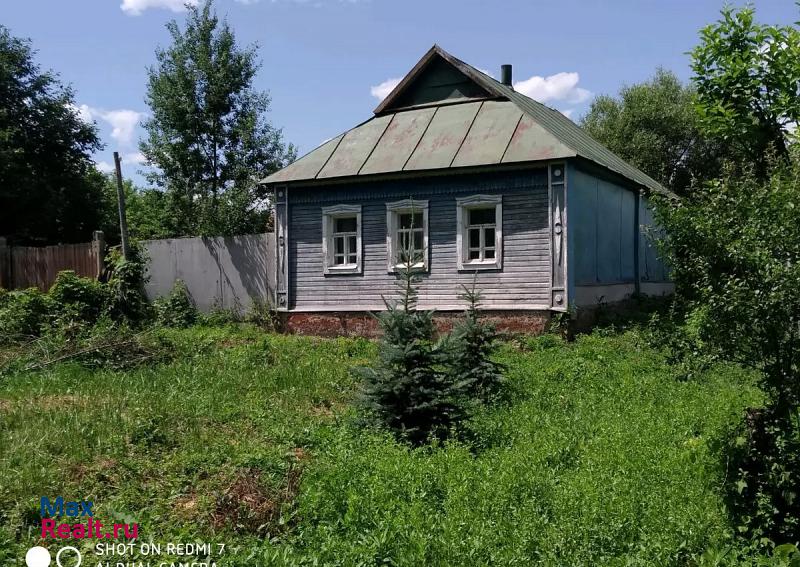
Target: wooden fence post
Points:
(99, 248)
(5, 263)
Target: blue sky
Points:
(324, 61)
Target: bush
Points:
(176, 309)
(24, 314)
(126, 298)
(765, 487)
(78, 298)
(734, 250)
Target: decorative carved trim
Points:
(329, 214)
(475, 201)
(404, 206)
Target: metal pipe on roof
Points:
(505, 74)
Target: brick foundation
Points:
(361, 324)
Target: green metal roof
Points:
(458, 132)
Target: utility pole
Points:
(123, 219)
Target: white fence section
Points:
(220, 272)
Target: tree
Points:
(410, 391)
(654, 126)
(734, 250)
(50, 189)
(207, 135)
(472, 344)
(747, 77)
(146, 210)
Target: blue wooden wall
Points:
(602, 230)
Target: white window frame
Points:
(463, 206)
(393, 211)
(329, 216)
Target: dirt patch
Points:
(249, 505)
(186, 505)
(57, 402)
(5, 405)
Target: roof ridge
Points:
(569, 135)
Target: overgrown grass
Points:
(599, 456)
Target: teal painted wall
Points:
(601, 228)
(602, 233)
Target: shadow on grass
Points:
(617, 318)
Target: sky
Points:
(328, 63)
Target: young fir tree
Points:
(471, 347)
(410, 391)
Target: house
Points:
(489, 184)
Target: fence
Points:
(30, 266)
(220, 272)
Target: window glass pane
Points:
(474, 237)
(402, 240)
(482, 216)
(474, 255)
(338, 259)
(351, 241)
(346, 224)
(339, 245)
(489, 254)
(488, 237)
(351, 259)
(418, 240)
(407, 219)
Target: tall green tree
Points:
(734, 250)
(207, 136)
(654, 126)
(747, 77)
(50, 190)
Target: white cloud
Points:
(568, 112)
(136, 7)
(485, 72)
(562, 87)
(131, 159)
(382, 91)
(134, 158)
(105, 167)
(123, 122)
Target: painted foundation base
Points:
(361, 324)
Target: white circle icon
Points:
(70, 548)
(37, 557)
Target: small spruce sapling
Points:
(410, 391)
(471, 347)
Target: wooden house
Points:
(489, 184)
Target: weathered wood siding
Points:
(31, 266)
(523, 282)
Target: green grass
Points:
(599, 457)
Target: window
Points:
(480, 232)
(407, 233)
(341, 239)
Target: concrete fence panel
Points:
(220, 272)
